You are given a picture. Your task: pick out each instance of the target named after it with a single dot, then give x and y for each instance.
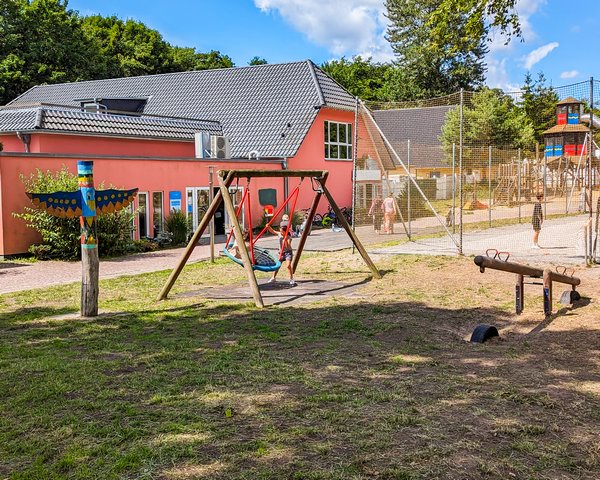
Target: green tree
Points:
(128, 48)
(257, 61)
(436, 68)
(539, 104)
(490, 118)
(481, 18)
(41, 41)
(212, 59)
(186, 59)
(361, 77)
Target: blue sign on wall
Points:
(175, 201)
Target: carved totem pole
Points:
(86, 203)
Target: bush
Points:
(177, 225)
(61, 237)
(144, 245)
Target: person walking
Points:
(536, 220)
(390, 210)
(376, 211)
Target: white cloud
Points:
(344, 27)
(569, 74)
(497, 76)
(538, 54)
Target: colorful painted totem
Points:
(86, 203)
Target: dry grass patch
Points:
(379, 385)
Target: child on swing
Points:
(285, 245)
(235, 248)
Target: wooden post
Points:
(212, 208)
(307, 229)
(547, 292)
(340, 217)
(211, 197)
(519, 294)
(89, 243)
(239, 237)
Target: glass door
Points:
(237, 194)
(143, 214)
(197, 201)
(157, 213)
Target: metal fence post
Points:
(519, 183)
(453, 212)
(544, 187)
(490, 184)
(460, 173)
(408, 186)
(591, 153)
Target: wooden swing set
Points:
(252, 260)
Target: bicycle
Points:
(330, 220)
(317, 218)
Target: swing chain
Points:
(318, 189)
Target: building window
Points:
(338, 141)
(157, 212)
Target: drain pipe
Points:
(284, 166)
(26, 139)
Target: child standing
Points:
(285, 246)
(376, 211)
(536, 220)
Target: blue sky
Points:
(559, 35)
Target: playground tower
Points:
(567, 137)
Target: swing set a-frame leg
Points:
(342, 219)
(239, 238)
(212, 208)
(308, 225)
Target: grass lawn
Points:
(382, 384)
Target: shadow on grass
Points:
(26, 314)
(367, 390)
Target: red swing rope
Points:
(237, 213)
(289, 225)
(253, 239)
(287, 200)
(249, 217)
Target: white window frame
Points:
(345, 143)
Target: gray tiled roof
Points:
(253, 104)
(422, 126)
(76, 121)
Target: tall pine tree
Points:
(435, 68)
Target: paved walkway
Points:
(560, 238)
(562, 243)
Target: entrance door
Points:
(143, 214)
(196, 205)
(237, 194)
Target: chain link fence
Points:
(464, 173)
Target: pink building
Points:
(163, 133)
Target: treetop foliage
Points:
(43, 41)
(490, 118)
